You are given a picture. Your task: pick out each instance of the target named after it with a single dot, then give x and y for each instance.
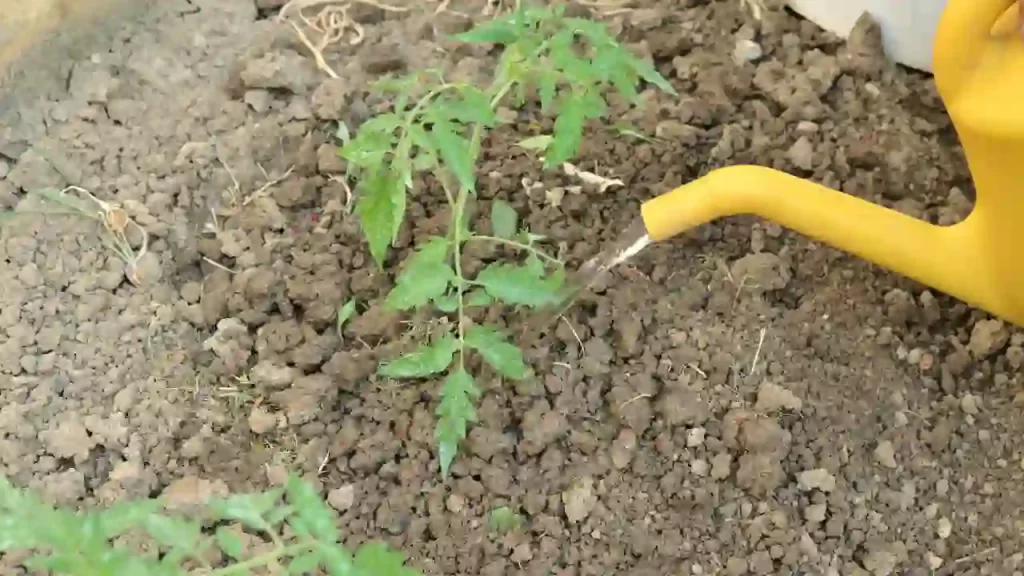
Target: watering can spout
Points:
(938, 256)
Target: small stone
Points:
(678, 131)
(277, 475)
(987, 336)
(885, 454)
(623, 447)
(342, 498)
(808, 547)
(191, 493)
(815, 513)
(579, 499)
(944, 528)
(801, 154)
(695, 437)
(736, 566)
(455, 503)
(970, 403)
(914, 356)
(721, 466)
(900, 420)
(772, 397)
(747, 51)
(817, 479)
(261, 421)
(258, 100)
(761, 563)
(880, 562)
(699, 467)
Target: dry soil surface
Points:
(738, 401)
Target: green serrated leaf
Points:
(547, 84)
(455, 152)
(378, 213)
(593, 105)
(454, 414)
(123, 516)
(428, 359)
(249, 509)
(229, 543)
(372, 141)
(647, 71)
(568, 136)
(497, 31)
(173, 532)
(425, 156)
(279, 514)
(496, 351)
(426, 276)
(377, 559)
(478, 298)
(535, 265)
(447, 303)
(304, 563)
(504, 219)
(345, 312)
(312, 515)
(474, 107)
(540, 142)
(515, 284)
(337, 560)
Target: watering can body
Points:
(978, 63)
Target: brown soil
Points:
(744, 401)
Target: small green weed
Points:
(437, 127)
(115, 225)
(345, 313)
(301, 531)
(504, 520)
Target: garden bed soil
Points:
(740, 400)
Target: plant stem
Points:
(518, 245)
(460, 285)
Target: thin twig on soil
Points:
(576, 335)
(216, 264)
(757, 353)
(958, 563)
(565, 365)
(323, 464)
(262, 191)
(633, 399)
(693, 366)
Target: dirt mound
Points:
(738, 401)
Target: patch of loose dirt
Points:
(738, 401)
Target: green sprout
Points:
(437, 127)
(504, 520)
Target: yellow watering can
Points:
(978, 63)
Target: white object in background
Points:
(908, 26)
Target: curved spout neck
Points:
(933, 255)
